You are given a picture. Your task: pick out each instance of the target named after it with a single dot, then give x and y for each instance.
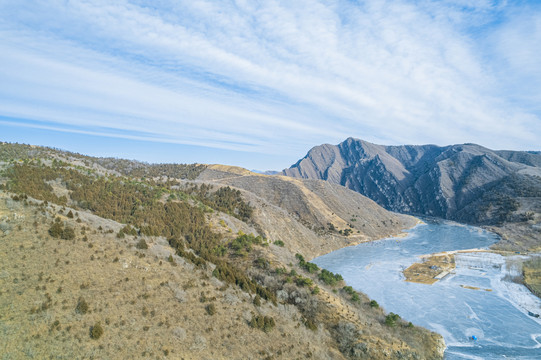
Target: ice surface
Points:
(498, 318)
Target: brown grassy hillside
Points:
(312, 217)
(98, 265)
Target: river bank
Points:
(455, 306)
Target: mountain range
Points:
(466, 183)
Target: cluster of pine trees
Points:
(139, 205)
(224, 199)
(142, 170)
(33, 180)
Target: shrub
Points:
(262, 263)
(56, 230)
(265, 323)
(220, 250)
(82, 306)
(227, 273)
(345, 232)
(374, 304)
(302, 281)
(96, 331)
(55, 325)
(142, 244)
(257, 300)
(329, 278)
(391, 319)
(354, 296)
(211, 309)
(203, 298)
(129, 230)
(308, 266)
(309, 324)
(243, 243)
(68, 233)
(279, 243)
(349, 290)
(293, 272)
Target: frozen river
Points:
(498, 318)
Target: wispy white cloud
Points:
(275, 76)
(513, 48)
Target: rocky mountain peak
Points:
(449, 182)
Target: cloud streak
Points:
(275, 77)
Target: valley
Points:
(499, 190)
(221, 243)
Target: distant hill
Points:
(267, 172)
(467, 182)
(311, 216)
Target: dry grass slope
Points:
(532, 275)
(139, 304)
(300, 212)
(147, 306)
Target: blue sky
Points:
(258, 83)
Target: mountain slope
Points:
(183, 261)
(317, 214)
(465, 182)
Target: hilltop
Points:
(108, 258)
